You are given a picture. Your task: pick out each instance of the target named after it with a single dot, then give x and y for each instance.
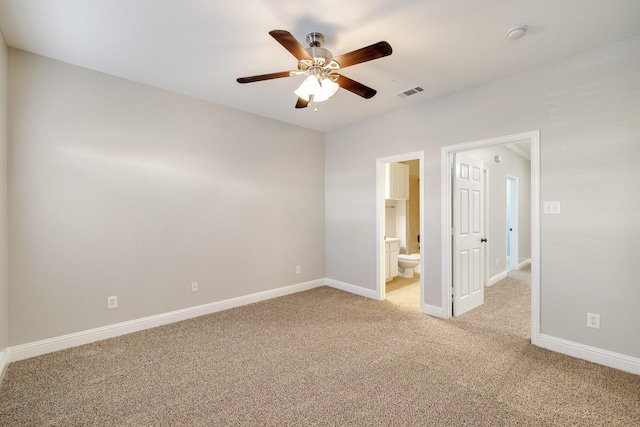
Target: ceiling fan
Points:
(322, 67)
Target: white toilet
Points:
(406, 264)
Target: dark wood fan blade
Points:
(262, 77)
(355, 87)
(290, 43)
(375, 51)
(302, 103)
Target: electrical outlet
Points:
(298, 269)
(194, 286)
(593, 320)
(112, 302)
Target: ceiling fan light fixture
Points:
(320, 67)
(321, 89)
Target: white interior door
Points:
(468, 234)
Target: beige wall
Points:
(4, 286)
(116, 188)
(587, 109)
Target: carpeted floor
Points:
(324, 357)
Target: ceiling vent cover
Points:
(410, 92)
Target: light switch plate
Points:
(551, 208)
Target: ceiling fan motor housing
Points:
(315, 39)
(321, 56)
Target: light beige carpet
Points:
(324, 357)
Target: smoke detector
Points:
(516, 32)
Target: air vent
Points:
(410, 92)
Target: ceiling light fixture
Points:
(516, 32)
(317, 89)
(321, 68)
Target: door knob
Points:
(482, 240)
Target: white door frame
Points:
(487, 234)
(512, 208)
(446, 247)
(380, 220)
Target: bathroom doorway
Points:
(399, 229)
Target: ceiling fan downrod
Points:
(315, 39)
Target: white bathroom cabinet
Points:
(391, 251)
(396, 181)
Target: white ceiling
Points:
(199, 47)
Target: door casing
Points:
(380, 212)
(533, 137)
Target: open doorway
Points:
(399, 214)
(448, 231)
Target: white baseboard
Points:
(24, 351)
(4, 362)
(347, 287)
(503, 274)
(433, 310)
(38, 348)
(429, 309)
(592, 354)
(524, 263)
(495, 279)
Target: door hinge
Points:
(453, 231)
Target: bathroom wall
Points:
(401, 223)
(117, 188)
(390, 218)
(396, 221)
